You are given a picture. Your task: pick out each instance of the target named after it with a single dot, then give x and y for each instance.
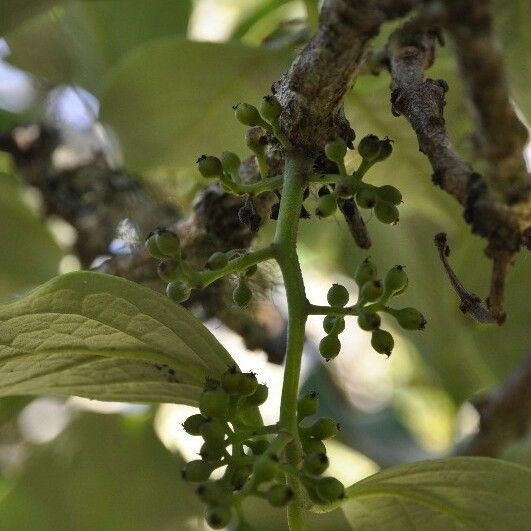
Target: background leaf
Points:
(103, 337)
(459, 493)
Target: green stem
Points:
(296, 174)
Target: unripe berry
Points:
(168, 243)
(307, 406)
(410, 319)
(326, 205)
(242, 294)
(369, 321)
(248, 384)
(247, 114)
(371, 291)
(390, 193)
(214, 403)
(395, 281)
(230, 380)
(209, 167)
(217, 260)
(192, 425)
(270, 108)
(230, 162)
(265, 469)
(240, 476)
(258, 397)
(213, 431)
(152, 247)
(311, 445)
(196, 471)
(366, 196)
(212, 451)
(365, 272)
(369, 147)
(336, 150)
(337, 295)
(386, 148)
(329, 347)
(178, 291)
(382, 341)
(322, 428)
(211, 492)
(333, 324)
(330, 489)
(315, 463)
(279, 495)
(218, 516)
(386, 212)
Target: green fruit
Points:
(365, 272)
(382, 341)
(337, 295)
(410, 319)
(152, 247)
(329, 347)
(270, 108)
(196, 471)
(218, 516)
(211, 492)
(395, 281)
(315, 463)
(386, 148)
(258, 397)
(242, 294)
(330, 489)
(279, 495)
(214, 403)
(178, 291)
(386, 212)
(217, 260)
(390, 193)
(366, 196)
(333, 324)
(169, 270)
(371, 291)
(369, 321)
(326, 205)
(209, 167)
(369, 147)
(247, 114)
(213, 431)
(258, 447)
(307, 406)
(266, 469)
(322, 428)
(248, 384)
(212, 451)
(192, 425)
(230, 162)
(240, 476)
(168, 243)
(311, 445)
(231, 380)
(336, 150)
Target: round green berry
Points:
(270, 108)
(337, 295)
(168, 243)
(192, 425)
(386, 148)
(334, 324)
(240, 476)
(248, 384)
(315, 463)
(218, 516)
(390, 193)
(214, 403)
(242, 294)
(330, 489)
(247, 114)
(258, 397)
(307, 406)
(211, 492)
(329, 347)
(212, 451)
(336, 150)
(365, 272)
(196, 471)
(322, 428)
(410, 319)
(369, 321)
(386, 212)
(311, 445)
(217, 260)
(152, 247)
(209, 167)
(266, 468)
(230, 162)
(369, 147)
(371, 291)
(279, 495)
(213, 431)
(395, 281)
(326, 205)
(366, 196)
(382, 341)
(178, 291)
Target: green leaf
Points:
(464, 493)
(103, 337)
(171, 99)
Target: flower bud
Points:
(389, 193)
(330, 489)
(270, 109)
(323, 428)
(329, 347)
(214, 403)
(333, 324)
(395, 281)
(326, 205)
(217, 260)
(382, 341)
(337, 295)
(410, 319)
(247, 114)
(192, 425)
(369, 147)
(365, 272)
(315, 463)
(209, 167)
(366, 196)
(336, 150)
(307, 406)
(386, 212)
(168, 243)
(178, 291)
(196, 471)
(368, 321)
